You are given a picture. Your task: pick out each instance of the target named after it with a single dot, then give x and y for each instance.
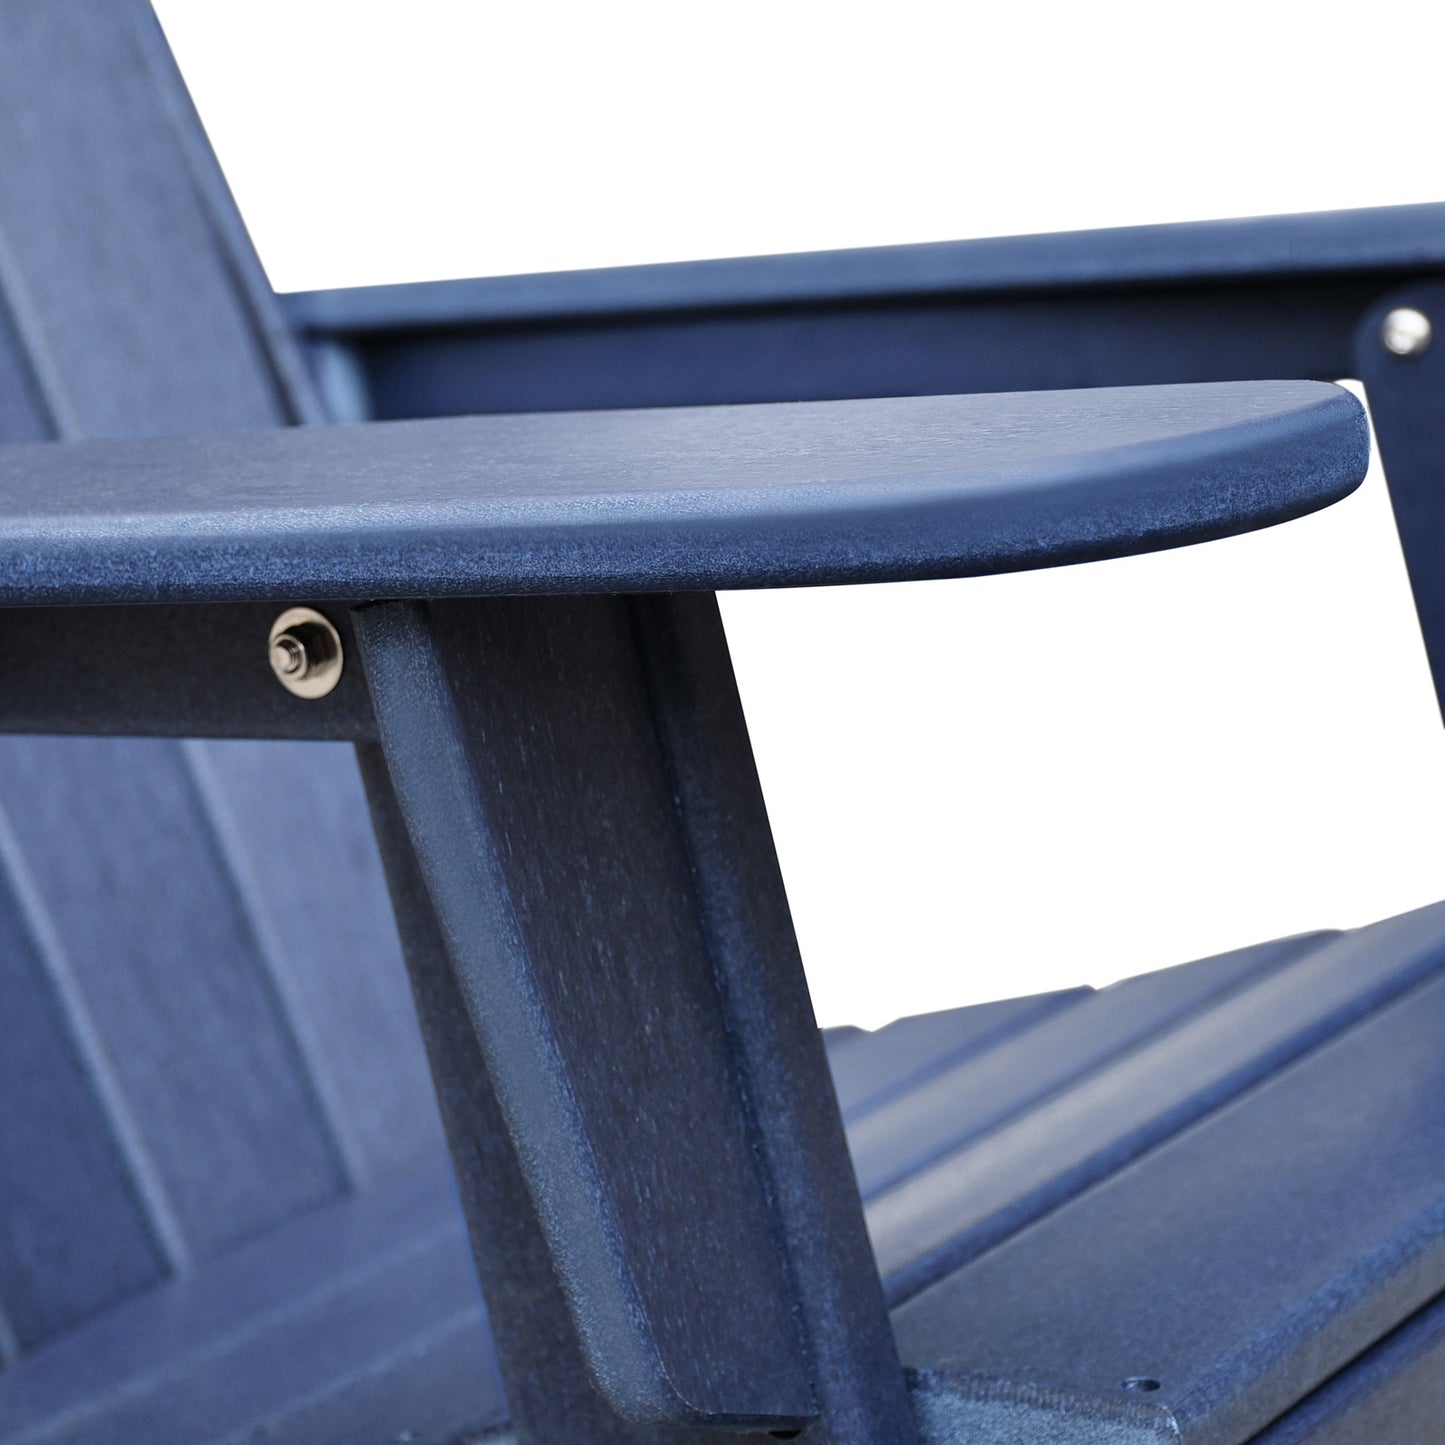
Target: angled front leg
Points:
(604, 932)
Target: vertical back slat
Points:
(315, 887)
(242, 1060)
(113, 835)
(57, 1147)
(134, 309)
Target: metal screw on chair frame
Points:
(305, 652)
(1406, 331)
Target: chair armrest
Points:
(1209, 301)
(1389, 240)
(669, 500)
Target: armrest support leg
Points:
(594, 919)
(550, 1401)
(1407, 405)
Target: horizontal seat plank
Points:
(669, 500)
(385, 1278)
(1223, 1276)
(969, 1099)
(872, 1069)
(958, 1207)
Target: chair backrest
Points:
(204, 1020)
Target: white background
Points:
(978, 788)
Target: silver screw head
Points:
(304, 651)
(1406, 331)
(288, 656)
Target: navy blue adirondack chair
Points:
(1206, 1204)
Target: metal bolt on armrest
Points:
(305, 652)
(1406, 331)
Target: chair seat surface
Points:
(669, 499)
(1129, 1199)
(1227, 1211)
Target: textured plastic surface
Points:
(191, 1052)
(642, 1015)
(1407, 403)
(1395, 1391)
(232, 1074)
(1212, 301)
(933, 1121)
(359, 1322)
(670, 500)
(1398, 239)
(1244, 1261)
